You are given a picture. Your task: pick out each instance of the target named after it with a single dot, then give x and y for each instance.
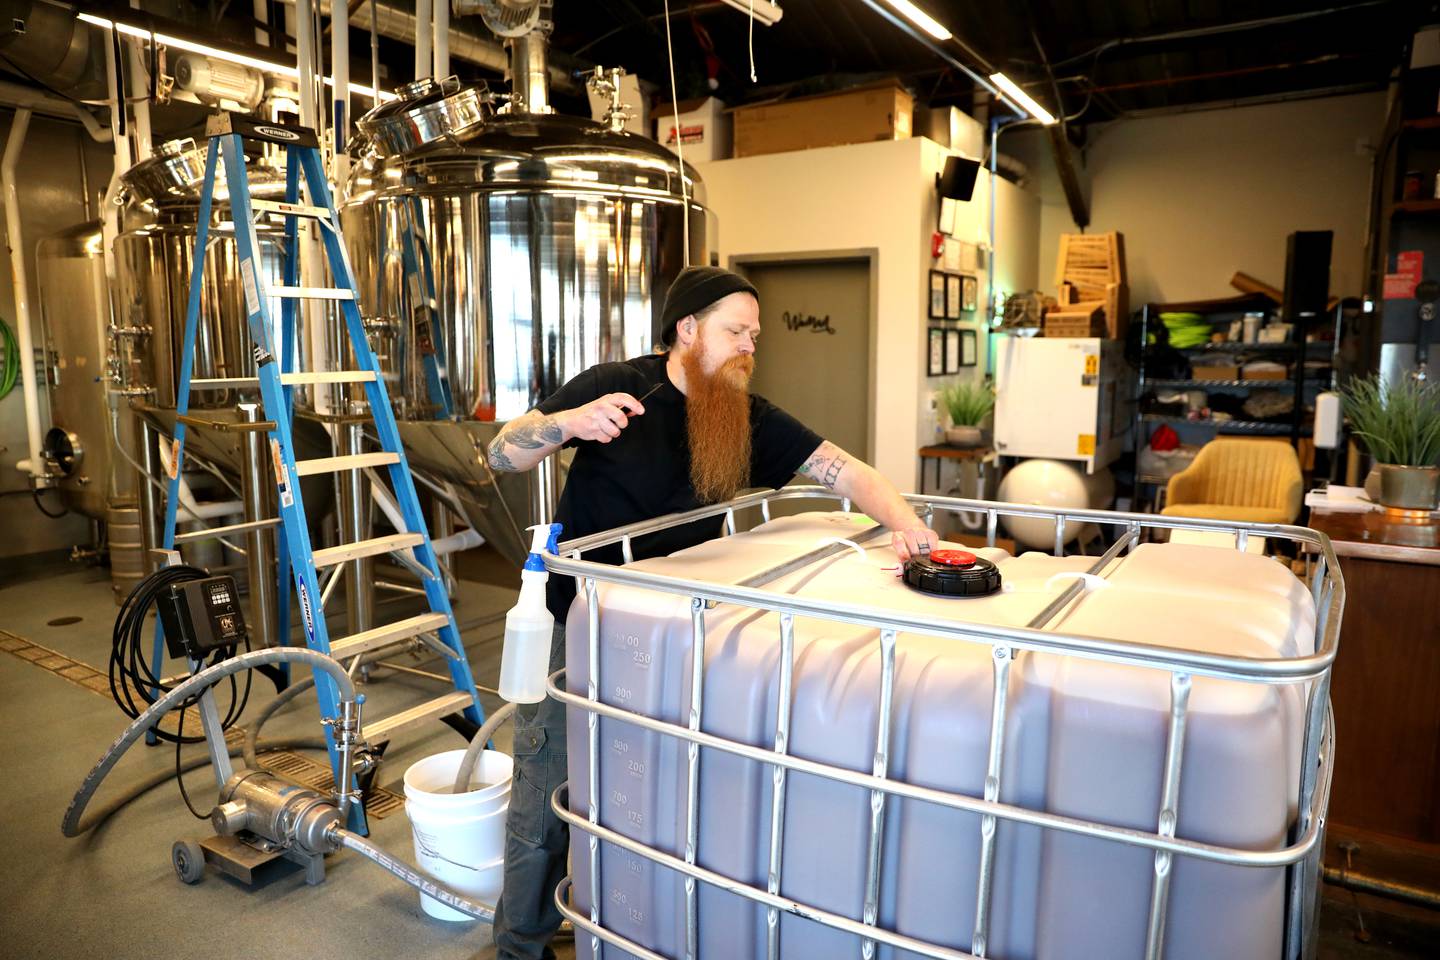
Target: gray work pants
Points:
(536, 842)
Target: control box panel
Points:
(201, 616)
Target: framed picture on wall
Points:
(937, 295)
(969, 348)
(952, 351)
(952, 296)
(935, 367)
(970, 292)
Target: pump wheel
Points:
(189, 860)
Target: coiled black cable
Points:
(133, 683)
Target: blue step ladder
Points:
(277, 378)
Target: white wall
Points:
(869, 196)
(1202, 195)
(49, 174)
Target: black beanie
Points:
(694, 290)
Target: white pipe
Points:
(424, 37)
(140, 90)
(340, 62)
(15, 239)
(261, 11)
(460, 540)
(305, 57)
(442, 40)
(14, 95)
(198, 511)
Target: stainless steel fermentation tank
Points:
(153, 258)
(154, 255)
(497, 256)
(79, 448)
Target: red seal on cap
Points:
(953, 558)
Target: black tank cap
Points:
(952, 573)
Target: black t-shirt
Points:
(645, 472)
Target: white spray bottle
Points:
(529, 625)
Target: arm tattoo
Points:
(497, 458)
(825, 468)
(532, 434)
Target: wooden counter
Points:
(1385, 685)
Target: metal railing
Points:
(1310, 672)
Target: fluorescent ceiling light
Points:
(767, 12)
(190, 46)
(1013, 91)
(920, 18)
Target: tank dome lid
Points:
(425, 111)
(176, 173)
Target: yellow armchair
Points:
(1253, 481)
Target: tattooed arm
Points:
(872, 494)
(527, 440)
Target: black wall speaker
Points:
(958, 180)
(1307, 274)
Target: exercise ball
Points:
(1053, 483)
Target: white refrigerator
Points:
(1063, 398)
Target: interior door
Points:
(813, 359)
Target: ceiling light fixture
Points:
(921, 19)
(190, 46)
(1013, 91)
(766, 12)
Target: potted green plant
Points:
(1399, 424)
(968, 404)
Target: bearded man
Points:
(654, 435)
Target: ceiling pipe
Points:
(399, 24)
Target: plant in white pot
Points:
(968, 404)
(1400, 426)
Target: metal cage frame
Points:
(1301, 855)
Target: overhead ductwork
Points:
(398, 23)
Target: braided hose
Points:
(246, 661)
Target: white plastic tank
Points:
(1083, 738)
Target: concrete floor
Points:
(113, 893)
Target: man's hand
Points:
(602, 419)
(913, 542)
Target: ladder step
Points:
(212, 532)
(288, 379)
(385, 727)
(354, 461)
(328, 376)
(367, 640)
(293, 209)
(313, 293)
(329, 556)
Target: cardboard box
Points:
(704, 124)
(1214, 371)
(861, 115)
(1079, 320)
(1276, 372)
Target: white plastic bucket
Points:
(459, 838)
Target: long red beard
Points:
(717, 409)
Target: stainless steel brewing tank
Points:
(498, 256)
(74, 304)
(153, 256)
